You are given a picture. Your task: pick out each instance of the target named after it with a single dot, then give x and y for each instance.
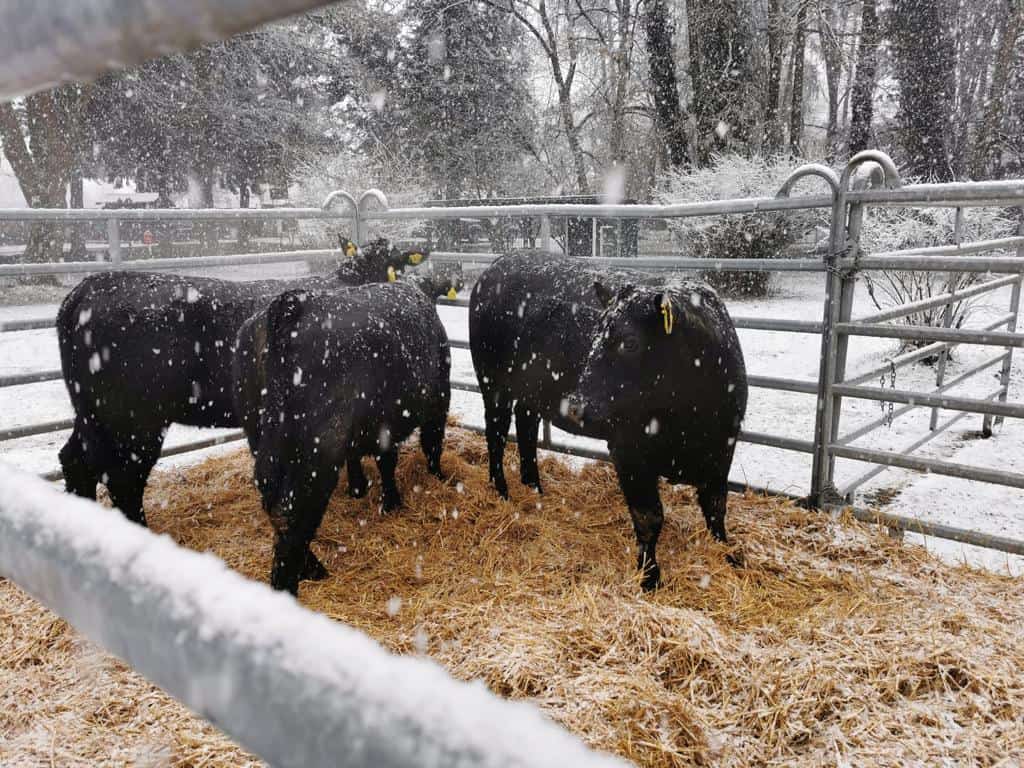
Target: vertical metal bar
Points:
(545, 233)
(847, 285)
(114, 240)
(947, 314)
(593, 237)
(820, 471)
(1004, 374)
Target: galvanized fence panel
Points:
(839, 267)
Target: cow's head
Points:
(390, 261)
(441, 283)
(348, 247)
(639, 351)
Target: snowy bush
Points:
(890, 229)
(738, 236)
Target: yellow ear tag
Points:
(666, 314)
(350, 249)
(392, 277)
(415, 258)
(452, 293)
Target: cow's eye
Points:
(628, 345)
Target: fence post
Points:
(545, 233)
(821, 467)
(845, 233)
(947, 315)
(1004, 374)
(114, 240)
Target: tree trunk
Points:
(208, 228)
(772, 124)
(725, 103)
(573, 138)
(77, 200)
(37, 143)
(862, 102)
(833, 70)
(985, 154)
(796, 110)
(669, 116)
(243, 224)
(925, 80)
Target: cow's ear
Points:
(349, 248)
(604, 294)
(667, 309)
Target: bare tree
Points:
(831, 51)
(985, 154)
(772, 123)
(669, 112)
(796, 110)
(563, 54)
(39, 136)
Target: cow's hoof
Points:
(651, 579)
(390, 504)
(735, 559)
(314, 570)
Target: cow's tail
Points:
(70, 323)
(277, 443)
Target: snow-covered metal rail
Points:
(50, 42)
(288, 684)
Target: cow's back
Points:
(532, 320)
(143, 343)
(354, 358)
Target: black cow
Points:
(142, 350)
(327, 377)
(650, 364)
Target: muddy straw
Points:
(833, 643)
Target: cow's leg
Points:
(357, 482)
(313, 570)
(432, 443)
(712, 500)
(80, 478)
(498, 418)
(527, 424)
(390, 498)
(127, 474)
(295, 522)
(640, 487)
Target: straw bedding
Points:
(833, 644)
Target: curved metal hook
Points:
(376, 194)
(890, 175)
(810, 169)
(329, 200)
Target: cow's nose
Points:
(575, 410)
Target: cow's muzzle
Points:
(574, 409)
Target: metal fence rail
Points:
(837, 325)
(293, 686)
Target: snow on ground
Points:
(993, 509)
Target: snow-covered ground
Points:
(993, 509)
